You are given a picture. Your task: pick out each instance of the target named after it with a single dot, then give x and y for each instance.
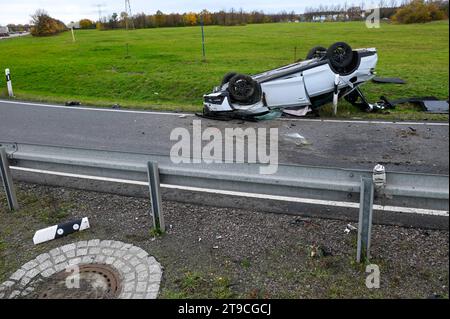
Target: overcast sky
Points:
(19, 11)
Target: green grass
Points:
(164, 69)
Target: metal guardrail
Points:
(411, 190)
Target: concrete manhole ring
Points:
(87, 269)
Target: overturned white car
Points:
(325, 76)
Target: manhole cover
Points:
(94, 269)
(93, 281)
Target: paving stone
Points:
(18, 275)
(29, 265)
(151, 295)
(48, 272)
(82, 244)
(32, 272)
(142, 254)
(119, 253)
(71, 254)
(141, 268)
(88, 259)
(105, 243)
(108, 251)
(62, 266)
(135, 261)
(68, 247)
(128, 287)
(82, 251)
(59, 259)
(142, 275)
(94, 250)
(93, 242)
(141, 286)
(42, 257)
(116, 245)
(74, 261)
(54, 252)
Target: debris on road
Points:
(297, 139)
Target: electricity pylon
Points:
(129, 17)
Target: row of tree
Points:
(160, 19)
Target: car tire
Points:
(227, 77)
(340, 55)
(243, 88)
(316, 52)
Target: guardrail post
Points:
(365, 219)
(155, 195)
(5, 175)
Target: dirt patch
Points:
(210, 252)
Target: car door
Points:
(286, 91)
(319, 80)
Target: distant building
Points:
(75, 25)
(4, 31)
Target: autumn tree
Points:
(86, 24)
(44, 25)
(419, 11)
(190, 18)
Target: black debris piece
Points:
(429, 104)
(388, 80)
(72, 103)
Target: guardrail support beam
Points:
(365, 219)
(155, 196)
(5, 175)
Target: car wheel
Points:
(340, 55)
(227, 77)
(243, 88)
(316, 52)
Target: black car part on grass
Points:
(429, 104)
(388, 80)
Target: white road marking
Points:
(82, 108)
(244, 194)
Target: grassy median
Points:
(163, 68)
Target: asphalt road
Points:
(414, 147)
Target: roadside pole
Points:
(155, 196)
(8, 83)
(203, 37)
(73, 35)
(5, 177)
